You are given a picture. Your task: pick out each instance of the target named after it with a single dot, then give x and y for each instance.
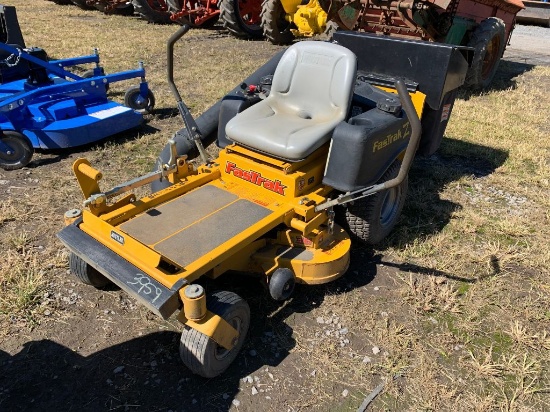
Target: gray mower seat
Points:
(310, 94)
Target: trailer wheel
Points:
(20, 153)
(134, 100)
(201, 354)
(281, 284)
(82, 4)
(276, 27)
(242, 17)
(371, 219)
(488, 40)
(154, 11)
(85, 273)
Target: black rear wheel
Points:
(242, 17)
(371, 219)
(19, 150)
(488, 40)
(276, 28)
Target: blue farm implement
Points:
(43, 106)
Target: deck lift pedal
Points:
(331, 131)
(44, 106)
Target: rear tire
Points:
(276, 28)
(85, 273)
(154, 11)
(242, 18)
(371, 219)
(21, 150)
(488, 40)
(201, 354)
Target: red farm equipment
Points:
(240, 17)
(484, 25)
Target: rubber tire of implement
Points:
(201, 354)
(488, 40)
(22, 151)
(130, 100)
(233, 21)
(85, 273)
(276, 28)
(364, 219)
(82, 4)
(152, 15)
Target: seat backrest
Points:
(315, 79)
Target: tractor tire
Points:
(85, 273)
(276, 28)
(488, 40)
(242, 18)
(82, 4)
(21, 152)
(131, 100)
(154, 11)
(201, 354)
(371, 219)
(62, 2)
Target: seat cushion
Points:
(311, 91)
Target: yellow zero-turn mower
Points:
(315, 153)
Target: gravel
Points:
(529, 45)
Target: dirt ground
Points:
(98, 350)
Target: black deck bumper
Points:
(155, 296)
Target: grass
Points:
(462, 310)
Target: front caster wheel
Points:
(281, 284)
(85, 273)
(201, 354)
(142, 104)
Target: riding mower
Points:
(316, 147)
(43, 106)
